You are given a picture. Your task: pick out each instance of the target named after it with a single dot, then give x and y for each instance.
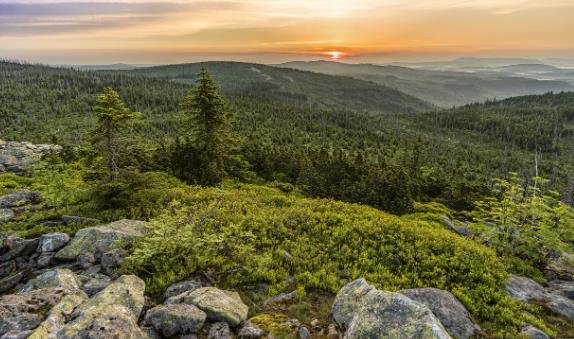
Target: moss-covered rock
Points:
(57, 317)
(63, 278)
(176, 319)
(219, 305)
(381, 314)
(113, 312)
(86, 239)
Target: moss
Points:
(273, 324)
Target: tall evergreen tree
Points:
(211, 148)
(114, 119)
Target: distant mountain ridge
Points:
(292, 86)
(442, 88)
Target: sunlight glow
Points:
(335, 55)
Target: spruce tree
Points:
(114, 120)
(210, 147)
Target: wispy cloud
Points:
(282, 26)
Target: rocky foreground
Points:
(61, 287)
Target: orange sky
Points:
(278, 30)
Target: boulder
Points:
(250, 331)
(112, 260)
(52, 242)
(44, 259)
(182, 286)
(565, 288)
(349, 300)
(531, 332)
(16, 247)
(63, 278)
(377, 314)
(219, 330)
(85, 239)
(23, 311)
(86, 259)
(57, 316)
(561, 268)
(94, 283)
(11, 281)
(176, 319)
(219, 305)
(112, 313)
(15, 156)
(525, 289)
(447, 308)
(17, 335)
(150, 333)
(460, 230)
(20, 198)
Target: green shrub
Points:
(240, 236)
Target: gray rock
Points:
(280, 299)
(348, 301)
(219, 330)
(16, 156)
(182, 286)
(52, 242)
(63, 278)
(23, 311)
(86, 259)
(45, 259)
(525, 289)
(19, 248)
(447, 308)
(460, 230)
(10, 282)
(112, 260)
(85, 239)
(95, 283)
(149, 333)
(10, 325)
(531, 332)
(112, 313)
(566, 288)
(20, 198)
(377, 314)
(303, 333)
(17, 335)
(561, 268)
(57, 316)
(250, 331)
(6, 214)
(176, 319)
(219, 305)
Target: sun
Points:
(334, 55)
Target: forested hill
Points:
(443, 88)
(447, 155)
(292, 86)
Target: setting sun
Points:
(335, 55)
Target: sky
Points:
(273, 31)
